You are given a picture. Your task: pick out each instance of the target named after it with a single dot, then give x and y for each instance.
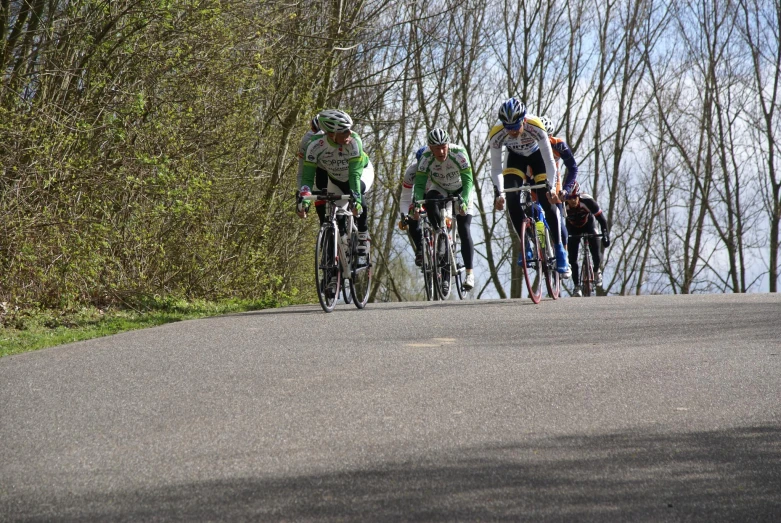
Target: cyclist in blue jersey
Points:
(561, 151)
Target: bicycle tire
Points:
(552, 276)
(326, 266)
(360, 273)
(347, 293)
(459, 271)
(532, 268)
(587, 270)
(428, 268)
(443, 265)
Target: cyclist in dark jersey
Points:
(582, 213)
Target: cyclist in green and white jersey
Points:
(445, 170)
(339, 152)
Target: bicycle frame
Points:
(338, 257)
(444, 273)
(536, 227)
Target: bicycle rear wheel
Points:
(327, 268)
(360, 273)
(443, 265)
(552, 276)
(459, 271)
(532, 264)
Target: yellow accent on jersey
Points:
(495, 129)
(513, 171)
(535, 121)
(540, 177)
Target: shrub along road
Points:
(621, 408)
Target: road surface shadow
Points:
(730, 475)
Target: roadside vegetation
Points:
(32, 329)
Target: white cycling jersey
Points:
(533, 138)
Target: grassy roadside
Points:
(28, 330)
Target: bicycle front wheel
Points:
(552, 276)
(587, 271)
(347, 293)
(428, 268)
(443, 265)
(327, 273)
(532, 260)
(360, 273)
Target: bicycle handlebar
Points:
(331, 197)
(527, 188)
(587, 235)
(446, 199)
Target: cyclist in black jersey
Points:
(582, 213)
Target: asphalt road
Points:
(653, 408)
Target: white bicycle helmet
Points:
(335, 121)
(438, 137)
(548, 124)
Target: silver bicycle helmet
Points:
(335, 121)
(438, 137)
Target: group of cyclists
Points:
(523, 151)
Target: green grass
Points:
(28, 330)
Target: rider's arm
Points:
(465, 170)
(308, 174)
(421, 177)
(569, 161)
(302, 147)
(356, 165)
(593, 207)
(495, 144)
(309, 166)
(406, 188)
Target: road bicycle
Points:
(336, 254)
(586, 263)
(538, 251)
(443, 267)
